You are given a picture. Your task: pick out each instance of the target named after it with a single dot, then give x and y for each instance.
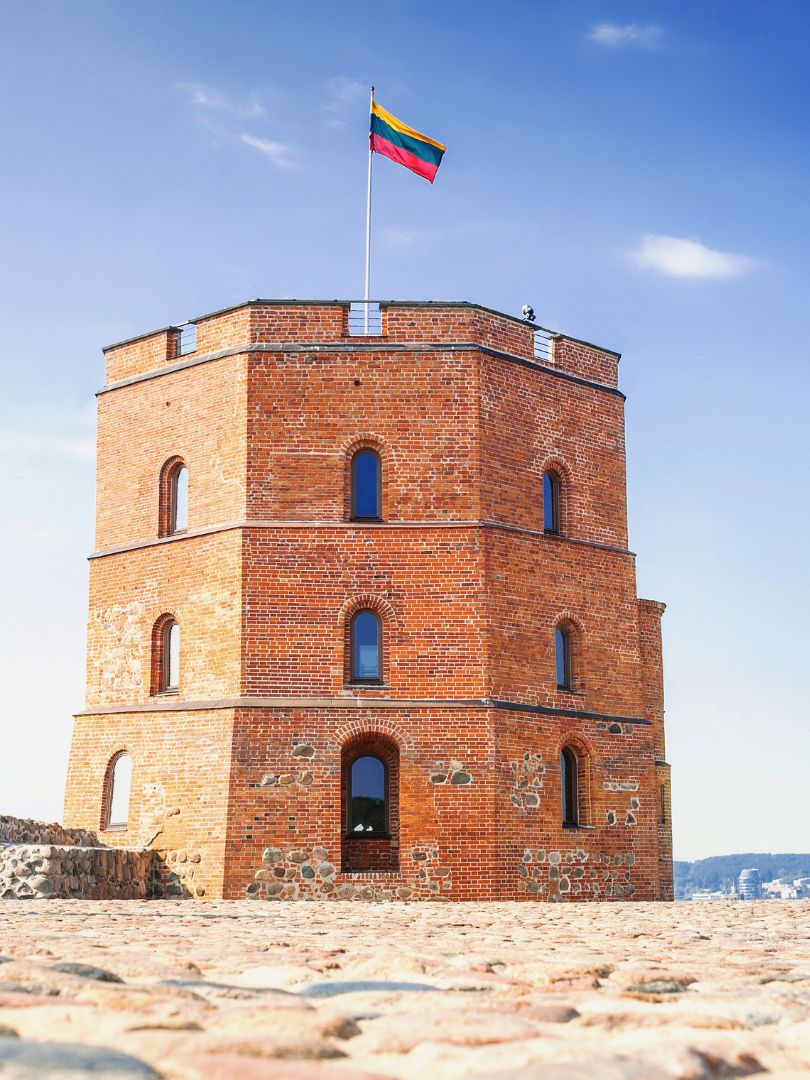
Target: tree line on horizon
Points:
(720, 871)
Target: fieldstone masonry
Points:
(46, 861)
(41, 861)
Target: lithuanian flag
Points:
(395, 140)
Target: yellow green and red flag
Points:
(395, 140)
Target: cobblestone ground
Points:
(233, 991)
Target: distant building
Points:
(709, 894)
(750, 884)
(786, 890)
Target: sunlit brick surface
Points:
(237, 778)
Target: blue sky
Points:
(636, 171)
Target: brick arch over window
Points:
(380, 726)
(574, 629)
(164, 679)
(365, 851)
(169, 522)
(388, 622)
(349, 450)
(579, 747)
(117, 791)
(559, 468)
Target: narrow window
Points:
(173, 497)
(551, 502)
(367, 797)
(663, 804)
(366, 486)
(188, 338)
(118, 794)
(179, 500)
(171, 657)
(568, 787)
(366, 647)
(562, 657)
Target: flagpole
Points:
(368, 227)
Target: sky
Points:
(638, 172)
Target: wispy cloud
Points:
(344, 97)
(281, 154)
(615, 35)
(207, 97)
(218, 114)
(688, 258)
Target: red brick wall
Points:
(302, 585)
(532, 423)
(180, 783)
(467, 585)
(584, 360)
(197, 580)
(197, 415)
(417, 410)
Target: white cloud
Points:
(206, 97)
(613, 35)
(279, 153)
(345, 98)
(679, 258)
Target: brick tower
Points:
(363, 619)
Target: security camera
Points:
(528, 312)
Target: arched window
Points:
(173, 514)
(166, 656)
(119, 786)
(366, 485)
(366, 647)
(569, 787)
(368, 797)
(369, 766)
(551, 502)
(179, 500)
(562, 657)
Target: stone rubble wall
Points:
(51, 871)
(41, 861)
(14, 830)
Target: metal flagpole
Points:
(368, 226)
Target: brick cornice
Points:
(258, 523)
(353, 345)
(364, 703)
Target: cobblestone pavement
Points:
(238, 990)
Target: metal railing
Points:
(543, 339)
(187, 338)
(365, 318)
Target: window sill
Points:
(116, 828)
(366, 521)
(367, 836)
(370, 684)
(173, 691)
(571, 691)
(567, 825)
